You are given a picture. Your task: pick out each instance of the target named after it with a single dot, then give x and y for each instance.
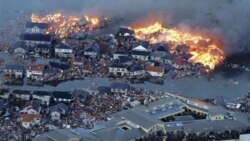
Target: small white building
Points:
(36, 70)
(58, 110)
(118, 70)
(43, 96)
(63, 50)
(32, 107)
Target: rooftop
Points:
(154, 69)
(39, 25)
(37, 37)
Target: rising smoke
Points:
(229, 18)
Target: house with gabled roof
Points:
(32, 40)
(28, 120)
(36, 28)
(63, 51)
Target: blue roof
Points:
(14, 67)
(39, 25)
(118, 85)
(37, 37)
(142, 53)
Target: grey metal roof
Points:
(117, 134)
(213, 126)
(138, 118)
(215, 110)
(62, 135)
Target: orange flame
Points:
(62, 25)
(202, 49)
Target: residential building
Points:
(118, 70)
(35, 70)
(31, 107)
(21, 94)
(77, 61)
(42, 49)
(122, 88)
(32, 40)
(63, 51)
(117, 54)
(43, 96)
(155, 71)
(59, 96)
(12, 70)
(58, 110)
(217, 113)
(36, 28)
(91, 52)
(141, 55)
(20, 49)
(29, 120)
(136, 70)
(4, 93)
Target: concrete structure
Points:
(142, 121)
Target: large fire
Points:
(202, 49)
(63, 25)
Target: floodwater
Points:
(188, 86)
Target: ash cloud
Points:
(228, 18)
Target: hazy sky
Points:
(230, 18)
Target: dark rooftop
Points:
(36, 37)
(59, 94)
(14, 67)
(39, 25)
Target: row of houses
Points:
(136, 70)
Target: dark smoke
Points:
(229, 18)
